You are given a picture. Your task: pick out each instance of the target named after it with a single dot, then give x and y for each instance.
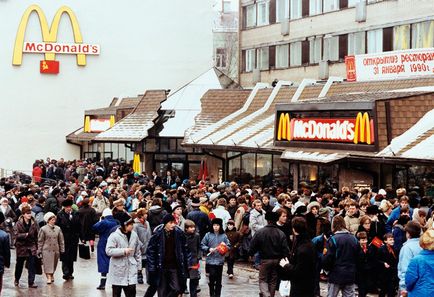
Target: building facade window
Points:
(331, 5)
(356, 43)
(315, 7)
(220, 58)
(375, 41)
(262, 58)
(250, 60)
(295, 54)
(331, 48)
(422, 35)
(295, 9)
(282, 10)
(315, 50)
(401, 37)
(282, 56)
(227, 6)
(251, 16)
(263, 13)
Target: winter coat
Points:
(390, 274)
(394, 215)
(352, 222)
(144, 233)
(26, 243)
(235, 240)
(71, 232)
(104, 228)
(270, 242)
(50, 246)
(212, 240)
(100, 203)
(409, 250)
(155, 216)
(38, 211)
(301, 268)
(201, 220)
(419, 278)
(155, 256)
(5, 251)
(193, 244)
(256, 220)
(242, 209)
(51, 204)
(88, 218)
(340, 260)
(10, 218)
(399, 236)
(123, 269)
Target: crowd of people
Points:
(158, 229)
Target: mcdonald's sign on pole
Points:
(49, 46)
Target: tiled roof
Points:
(79, 135)
(416, 143)
(134, 127)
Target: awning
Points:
(79, 135)
(316, 157)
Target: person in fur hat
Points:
(215, 258)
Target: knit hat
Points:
(48, 216)
(67, 202)
(24, 199)
(124, 218)
(426, 241)
(218, 221)
(168, 218)
(107, 212)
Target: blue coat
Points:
(419, 278)
(104, 228)
(155, 255)
(212, 240)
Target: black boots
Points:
(102, 284)
(140, 277)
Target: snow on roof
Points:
(416, 142)
(312, 156)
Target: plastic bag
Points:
(284, 288)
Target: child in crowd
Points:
(213, 245)
(364, 272)
(388, 265)
(234, 238)
(193, 242)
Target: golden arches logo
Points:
(49, 35)
(284, 128)
(364, 129)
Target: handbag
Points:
(84, 251)
(38, 266)
(284, 288)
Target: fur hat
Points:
(67, 202)
(426, 241)
(107, 212)
(119, 202)
(168, 218)
(48, 216)
(312, 205)
(124, 218)
(218, 221)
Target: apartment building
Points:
(298, 39)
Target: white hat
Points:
(107, 212)
(84, 193)
(48, 216)
(382, 192)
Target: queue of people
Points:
(158, 230)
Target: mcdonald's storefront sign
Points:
(49, 46)
(357, 130)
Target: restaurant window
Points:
(220, 58)
(107, 147)
(247, 168)
(422, 35)
(263, 13)
(262, 58)
(263, 168)
(356, 43)
(122, 151)
(129, 155)
(282, 56)
(281, 171)
(401, 37)
(234, 168)
(315, 7)
(251, 16)
(295, 54)
(282, 10)
(315, 49)
(250, 60)
(331, 48)
(375, 41)
(115, 150)
(331, 5)
(295, 9)
(308, 173)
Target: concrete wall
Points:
(144, 45)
